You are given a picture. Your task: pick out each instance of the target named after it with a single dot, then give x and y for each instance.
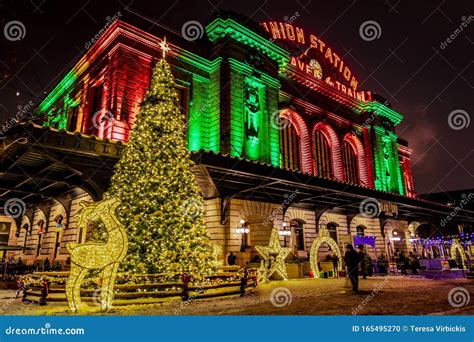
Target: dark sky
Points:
(406, 64)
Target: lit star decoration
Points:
(164, 47)
(273, 257)
(105, 256)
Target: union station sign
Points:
(340, 76)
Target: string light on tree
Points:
(154, 181)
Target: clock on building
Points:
(318, 70)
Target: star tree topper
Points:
(164, 47)
(273, 257)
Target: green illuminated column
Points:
(250, 71)
(387, 167)
(197, 109)
(203, 118)
(213, 128)
(254, 97)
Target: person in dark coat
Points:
(335, 264)
(402, 262)
(352, 260)
(363, 264)
(231, 259)
(47, 265)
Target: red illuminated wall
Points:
(405, 165)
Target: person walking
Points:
(362, 260)
(351, 259)
(403, 262)
(335, 263)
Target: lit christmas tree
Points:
(161, 201)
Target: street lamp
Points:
(284, 232)
(243, 231)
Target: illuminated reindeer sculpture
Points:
(105, 256)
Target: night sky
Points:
(406, 64)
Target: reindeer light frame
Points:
(88, 256)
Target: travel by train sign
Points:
(345, 81)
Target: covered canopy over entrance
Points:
(229, 177)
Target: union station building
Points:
(277, 123)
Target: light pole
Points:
(243, 231)
(284, 232)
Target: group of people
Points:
(359, 263)
(408, 263)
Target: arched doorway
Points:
(297, 241)
(323, 238)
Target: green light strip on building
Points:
(386, 162)
(221, 28)
(381, 110)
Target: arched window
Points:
(95, 98)
(349, 161)
(297, 229)
(332, 228)
(322, 155)
(289, 144)
(360, 231)
(42, 229)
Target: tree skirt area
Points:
(390, 295)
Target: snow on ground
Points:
(393, 295)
